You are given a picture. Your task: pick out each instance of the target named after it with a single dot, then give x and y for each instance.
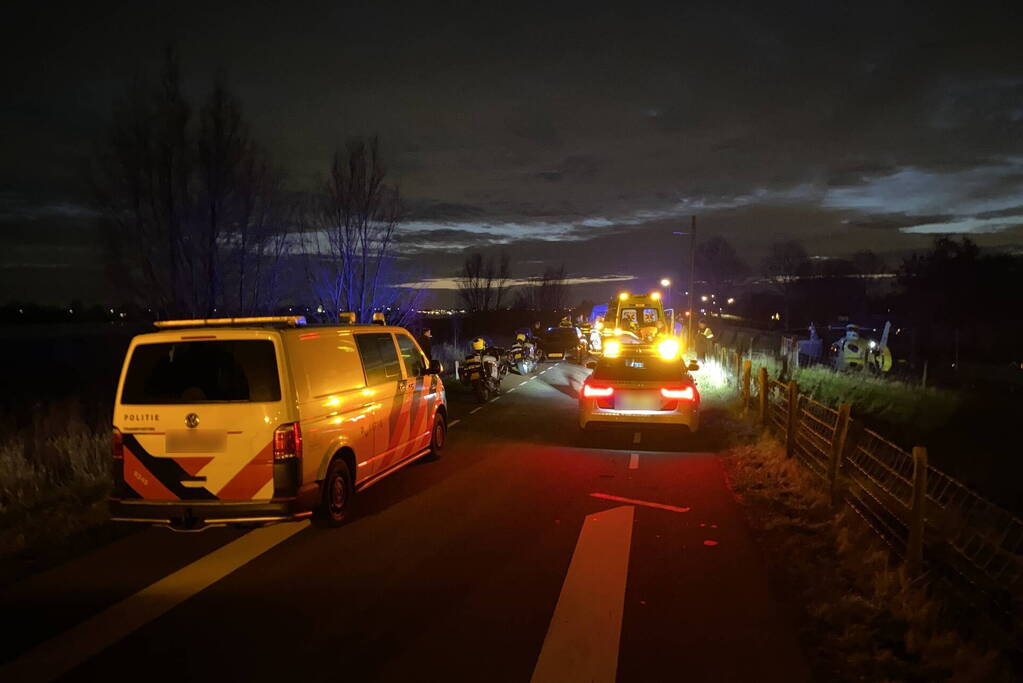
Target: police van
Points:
(260, 420)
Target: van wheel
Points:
(336, 491)
(438, 437)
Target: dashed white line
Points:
(453, 423)
(634, 461)
(475, 410)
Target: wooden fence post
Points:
(793, 420)
(747, 375)
(915, 546)
(762, 397)
(838, 449)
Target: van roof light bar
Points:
(289, 320)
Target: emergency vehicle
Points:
(636, 383)
(261, 420)
(642, 314)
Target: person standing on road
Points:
(426, 342)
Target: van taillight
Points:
(287, 442)
(117, 445)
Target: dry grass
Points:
(861, 618)
(54, 480)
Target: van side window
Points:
(415, 364)
(327, 363)
(379, 358)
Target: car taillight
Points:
(591, 391)
(117, 445)
(287, 442)
(676, 393)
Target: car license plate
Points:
(474, 375)
(638, 400)
(554, 355)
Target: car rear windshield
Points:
(640, 370)
(202, 372)
(563, 334)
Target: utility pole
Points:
(692, 280)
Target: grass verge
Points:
(860, 617)
(54, 482)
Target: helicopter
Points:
(853, 352)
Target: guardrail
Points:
(938, 526)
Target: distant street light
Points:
(731, 300)
(665, 282)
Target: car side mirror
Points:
(591, 364)
(693, 366)
(435, 367)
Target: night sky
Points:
(560, 132)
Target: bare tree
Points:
(483, 283)
(181, 199)
(719, 263)
(546, 292)
(352, 244)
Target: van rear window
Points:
(202, 372)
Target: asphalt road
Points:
(518, 556)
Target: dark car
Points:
(562, 342)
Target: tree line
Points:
(198, 221)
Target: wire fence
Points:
(939, 527)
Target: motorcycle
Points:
(483, 372)
(523, 357)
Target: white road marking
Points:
(512, 389)
(53, 658)
(495, 400)
(634, 461)
(475, 410)
(582, 640)
(645, 503)
(453, 423)
(637, 437)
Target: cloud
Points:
(452, 282)
(15, 208)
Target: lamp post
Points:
(692, 276)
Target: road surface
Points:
(518, 556)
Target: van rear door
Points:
(197, 413)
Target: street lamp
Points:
(668, 298)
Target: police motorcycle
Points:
(522, 356)
(483, 370)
